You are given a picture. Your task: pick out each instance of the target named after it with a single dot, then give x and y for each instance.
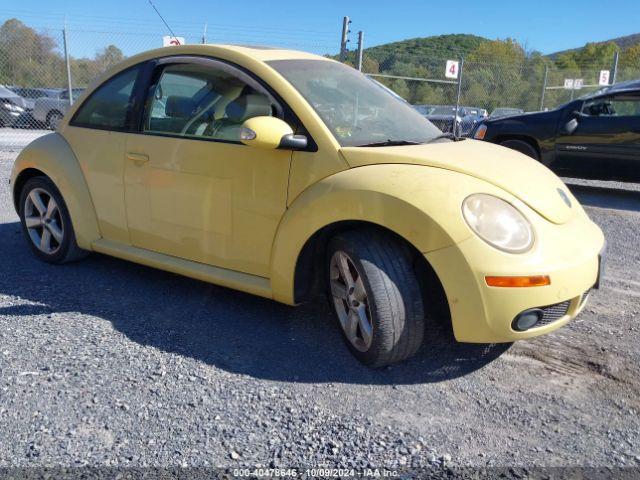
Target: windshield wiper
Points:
(389, 143)
(448, 135)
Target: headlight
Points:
(498, 223)
(12, 108)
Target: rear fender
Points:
(52, 155)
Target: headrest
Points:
(227, 97)
(248, 106)
(179, 107)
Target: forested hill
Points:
(623, 43)
(441, 46)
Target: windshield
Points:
(356, 110)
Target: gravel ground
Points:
(106, 363)
(14, 139)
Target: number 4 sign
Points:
(452, 69)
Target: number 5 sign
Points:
(452, 69)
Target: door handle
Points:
(138, 158)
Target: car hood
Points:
(521, 176)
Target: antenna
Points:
(162, 18)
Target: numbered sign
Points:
(452, 69)
(168, 41)
(568, 83)
(578, 83)
(603, 79)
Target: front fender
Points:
(421, 204)
(53, 156)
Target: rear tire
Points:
(376, 296)
(46, 223)
(522, 147)
(53, 119)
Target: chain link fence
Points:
(478, 89)
(37, 73)
(38, 69)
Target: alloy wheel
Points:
(351, 301)
(43, 221)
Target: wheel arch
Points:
(354, 199)
(523, 138)
(23, 177)
(52, 157)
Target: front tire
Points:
(46, 223)
(522, 147)
(376, 296)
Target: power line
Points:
(162, 18)
(102, 20)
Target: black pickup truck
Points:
(595, 136)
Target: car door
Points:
(192, 189)
(606, 141)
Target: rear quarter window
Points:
(108, 106)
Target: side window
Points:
(108, 106)
(197, 101)
(618, 106)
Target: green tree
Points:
(32, 59)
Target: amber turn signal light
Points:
(480, 132)
(531, 281)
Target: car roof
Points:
(257, 52)
(628, 86)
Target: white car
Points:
(51, 110)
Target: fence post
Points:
(544, 87)
(68, 63)
(455, 120)
(360, 48)
(615, 67)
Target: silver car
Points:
(51, 110)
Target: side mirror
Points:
(270, 133)
(570, 127)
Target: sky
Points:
(543, 25)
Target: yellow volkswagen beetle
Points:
(286, 174)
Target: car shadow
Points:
(606, 197)
(237, 332)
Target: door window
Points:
(618, 106)
(196, 101)
(108, 106)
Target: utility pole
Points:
(204, 34)
(360, 49)
(345, 38)
(615, 67)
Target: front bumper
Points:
(7, 117)
(568, 254)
